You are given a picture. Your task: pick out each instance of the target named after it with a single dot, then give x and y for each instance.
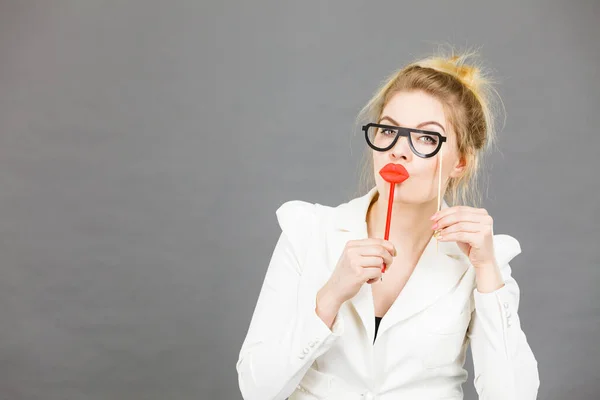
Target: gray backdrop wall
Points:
(145, 146)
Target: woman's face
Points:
(417, 110)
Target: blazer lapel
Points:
(437, 271)
(436, 274)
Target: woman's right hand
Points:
(360, 262)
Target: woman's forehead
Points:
(413, 108)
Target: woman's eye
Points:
(429, 139)
(388, 132)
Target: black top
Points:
(377, 321)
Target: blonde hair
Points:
(466, 92)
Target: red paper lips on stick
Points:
(392, 173)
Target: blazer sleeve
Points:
(504, 365)
(285, 334)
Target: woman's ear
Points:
(460, 166)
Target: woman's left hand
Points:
(471, 228)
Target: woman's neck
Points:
(410, 227)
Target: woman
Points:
(327, 326)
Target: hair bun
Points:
(467, 74)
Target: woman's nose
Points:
(401, 149)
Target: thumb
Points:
(464, 247)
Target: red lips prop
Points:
(392, 173)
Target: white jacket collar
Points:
(351, 217)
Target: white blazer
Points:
(422, 340)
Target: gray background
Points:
(145, 146)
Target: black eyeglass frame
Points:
(402, 131)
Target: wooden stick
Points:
(439, 205)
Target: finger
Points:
(457, 217)
(371, 262)
(379, 251)
(472, 227)
(473, 239)
(373, 242)
(372, 274)
(458, 209)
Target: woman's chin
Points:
(404, 194)
(403, 199)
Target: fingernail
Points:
(434, 216)
(434, 226)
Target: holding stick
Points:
(392, 173)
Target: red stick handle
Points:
(388, 219)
